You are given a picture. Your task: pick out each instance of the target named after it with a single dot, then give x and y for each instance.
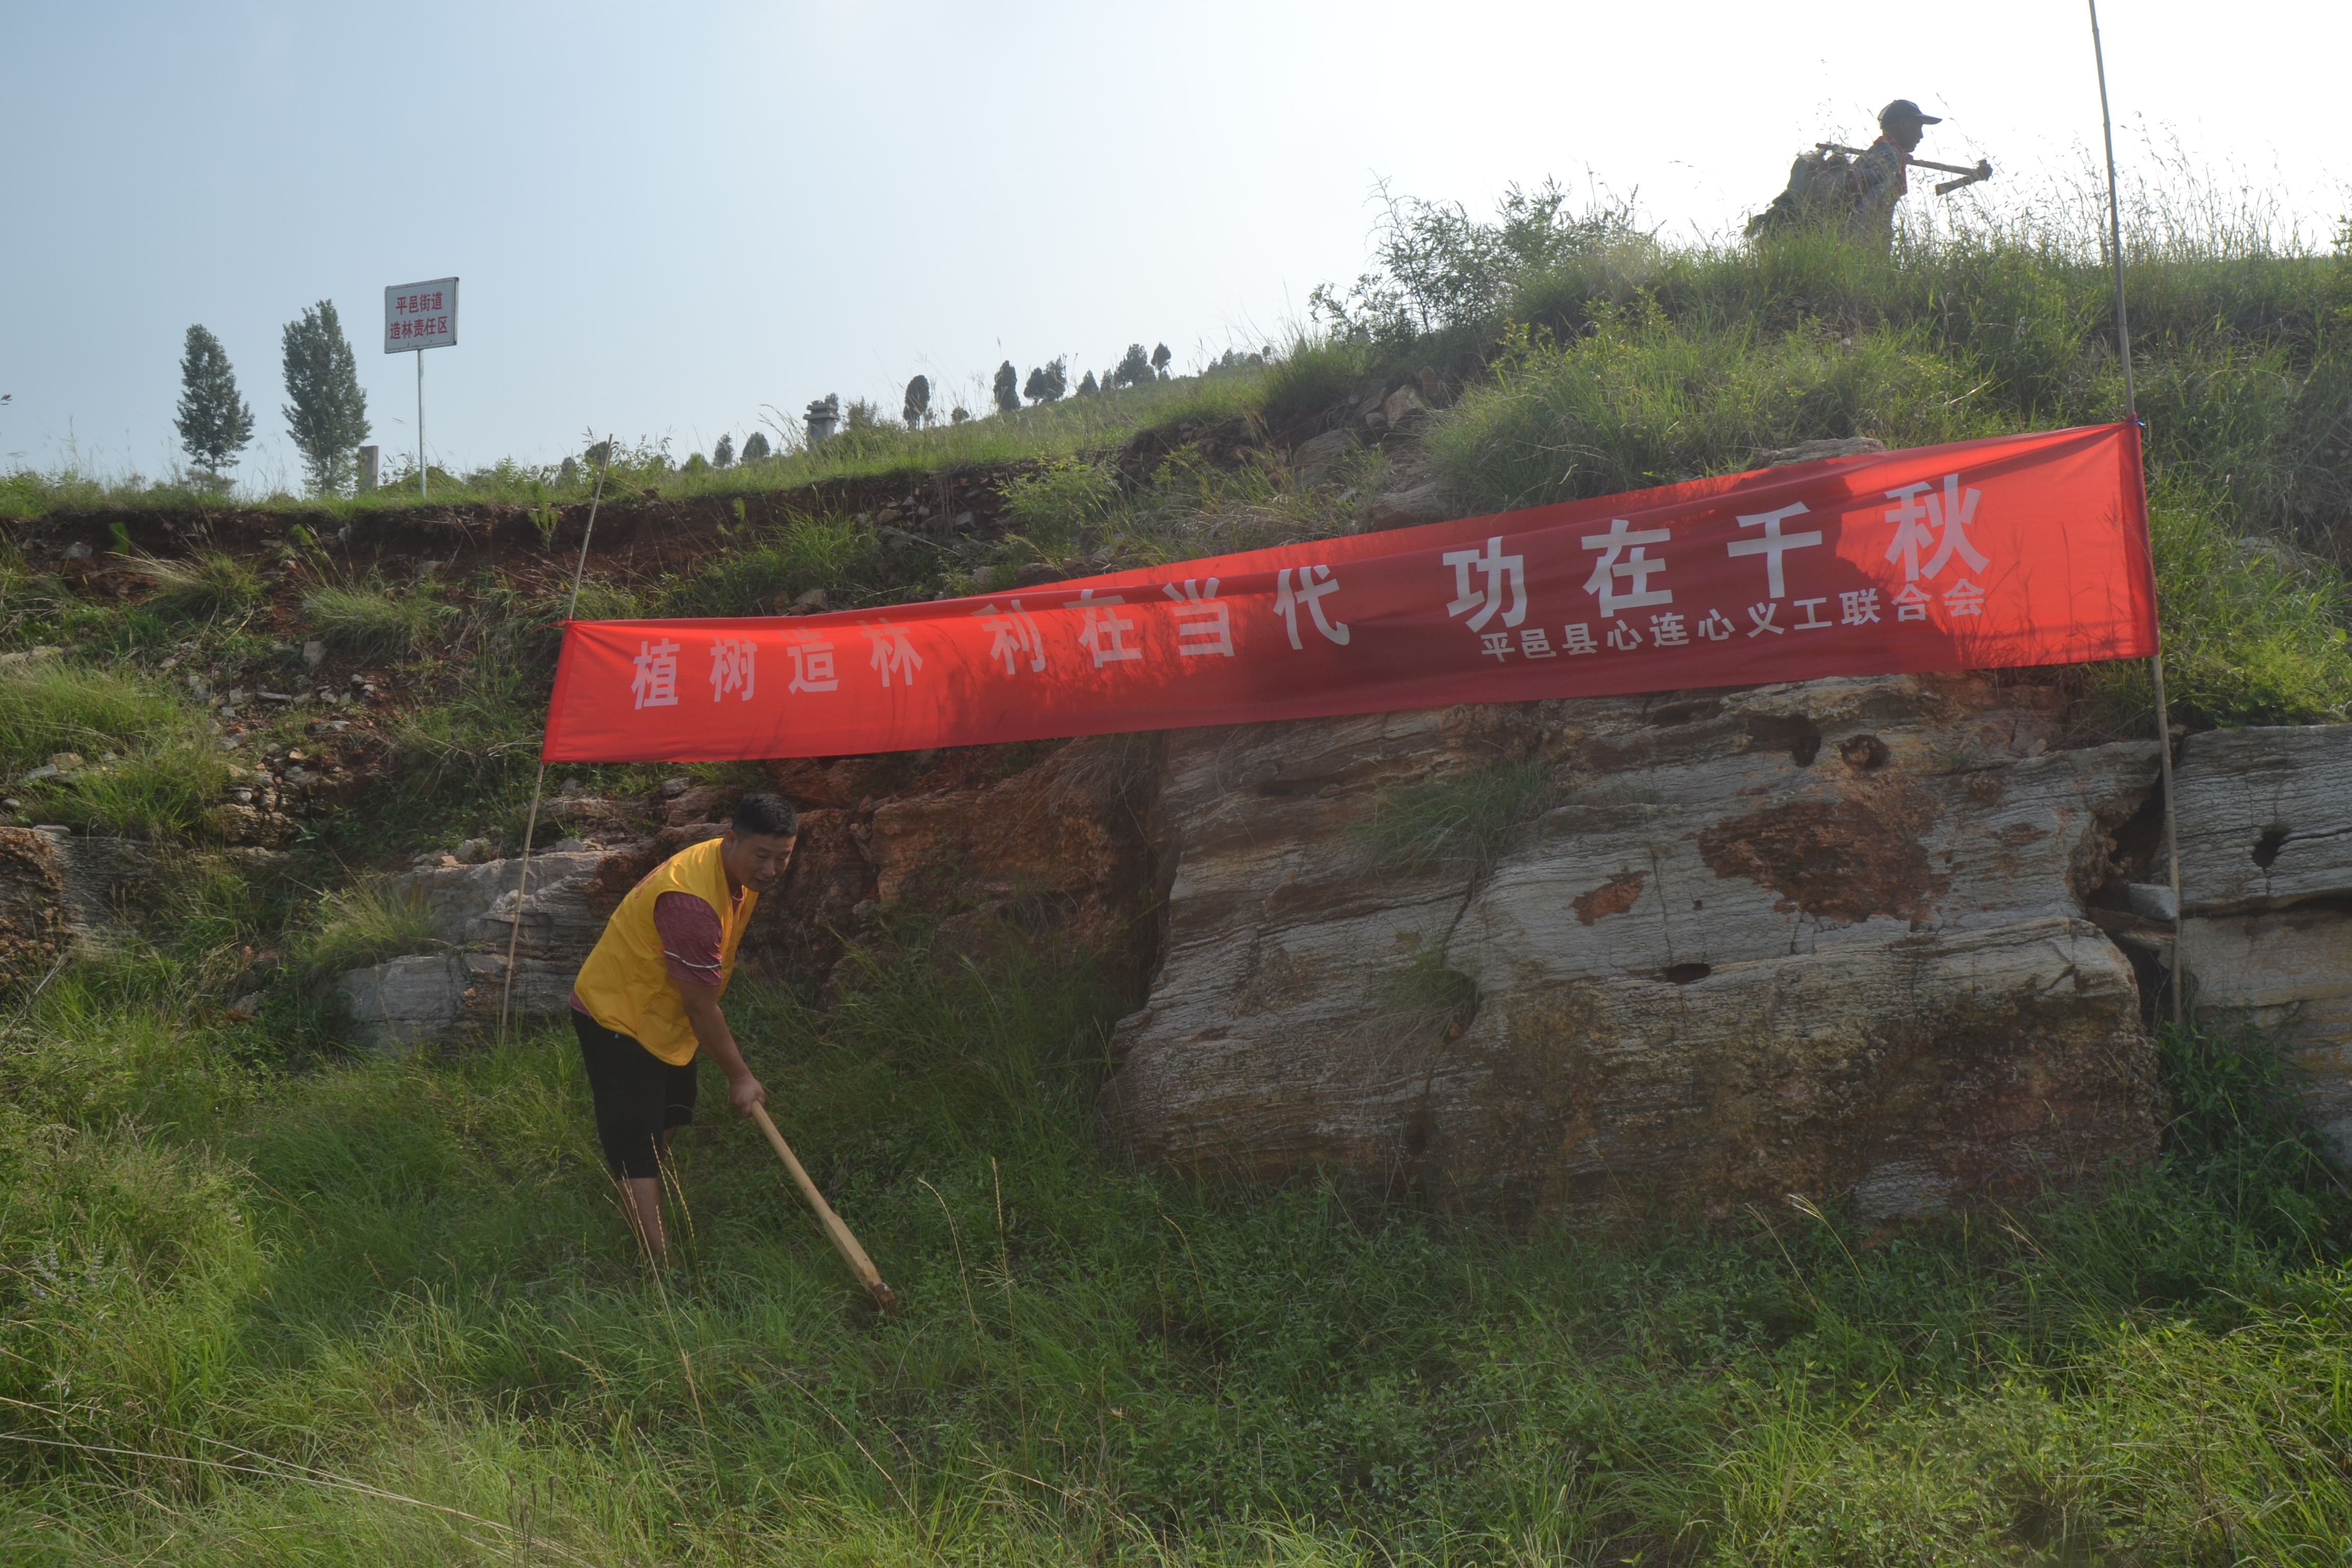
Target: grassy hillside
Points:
(264, 1301)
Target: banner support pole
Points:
(2131, 412)
(538, 783)
(424, 480)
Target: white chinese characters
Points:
(812, 669)
(1314, 582)
(1636, 567)
(1203, 624)
(731, 666)
(893, 654)
(1774, 544)
(1017, 642)
(656, 682)
(1497, 568)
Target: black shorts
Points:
(638, 1097)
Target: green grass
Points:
(207, 584)
(263, 1302)
(365, 924)
(1467, 818)
(409, 1278)
(149, 764)
(373, 618)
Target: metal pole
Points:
(423, 482)
(2131, 411)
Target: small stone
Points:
(1405, 404)
(811, 600)
(473, 851)
(1314, 460)
(672, 788)
(64, 762)
(77, 550)
(314, 653)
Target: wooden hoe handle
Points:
(843, 1242)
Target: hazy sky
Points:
(668, 218)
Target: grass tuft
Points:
(149, 765)
(210, 583)
(375, 620)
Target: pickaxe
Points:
(1983, 170)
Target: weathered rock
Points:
(1060, 843)
(2263, 816)
(1403, 404)
(406, 1001)
(34, 927)
(1825, 939)
(1314, 460)
(2288, 973)
(1432, 502)
(1815, 452)
(2266, 889)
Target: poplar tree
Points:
(723, 455)
(1134, 367)
(326, 412)
(1008, 388)
(214, 424)
(755, 446)
(917, 407)
(1160, 358)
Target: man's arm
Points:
(709, 1025)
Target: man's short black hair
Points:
(770, 816)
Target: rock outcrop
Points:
(2267, 895)
(1057, 846)
(1826, 940)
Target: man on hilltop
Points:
(1876, 181)
(648, 997)
(1855, 191)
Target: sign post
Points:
(416, 317)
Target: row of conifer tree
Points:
(325, 410)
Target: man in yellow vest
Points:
(648, 995)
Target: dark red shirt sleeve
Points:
(690, 934)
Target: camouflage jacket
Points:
(1876, 183)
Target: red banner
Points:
(2023, 550)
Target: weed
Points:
(373, 619)
(368, 921)
(1464, 817)
(207, 583)
(149, 765)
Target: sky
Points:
(681, 221)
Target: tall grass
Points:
(150, 764)
(390, 1305)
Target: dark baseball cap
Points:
(1903, 108)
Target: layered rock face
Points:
(2266, 890)
(1826, 940)
(1056, 844)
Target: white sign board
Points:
(420, 316)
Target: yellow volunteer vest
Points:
(624, 985)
